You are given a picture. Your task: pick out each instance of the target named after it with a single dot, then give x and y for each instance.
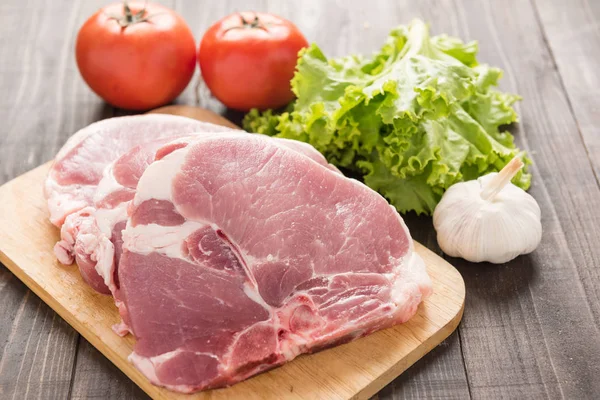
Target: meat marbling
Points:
(79, 165)
(94, 177)
(112, 198)
(240, 254)
(78, 169)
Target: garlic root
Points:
(499, 181)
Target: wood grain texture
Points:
(441, 373)
(355, 370)
(572, 30)
(31, 331)
(40, 90)
(95, 377)
(428, 380)
(531, 326)
(525, 323)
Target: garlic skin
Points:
(496, 229)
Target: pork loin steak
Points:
(97, 241)
(78, 169)
(94, 177)
(240, 254)
(80, 163)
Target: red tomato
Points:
(136, 56)
(248, 60)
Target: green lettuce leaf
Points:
(415, 118)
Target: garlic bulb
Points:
(488, 219)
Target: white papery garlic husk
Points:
(488, 219)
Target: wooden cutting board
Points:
(356, 370)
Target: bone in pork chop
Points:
(240, 254)
(80, 163)
(78, 169)
(98, 240)
(94, 178)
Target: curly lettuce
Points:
(415, 118)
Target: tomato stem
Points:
(127, 12)
(256, 23)
(244, 22)
(129, 18)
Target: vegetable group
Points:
(418, 116)
(248, 60)
(136, 55)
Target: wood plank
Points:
(531, 326)
(358, 369)
(432, 380)
(97, 378)
(573, 35)
(39, 73)
(441, 373)
(38, 348)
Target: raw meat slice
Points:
(79, 165)
(240, 254)
(77, 171)
(88, 235)
(112, 199)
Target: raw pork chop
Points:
(240, 254)
(98, 242)
(92, 235)
(79, 165)
(78, 169)
(101, 239)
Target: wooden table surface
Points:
(530, 327)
